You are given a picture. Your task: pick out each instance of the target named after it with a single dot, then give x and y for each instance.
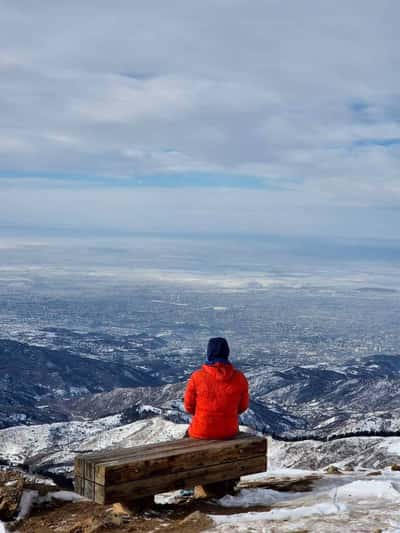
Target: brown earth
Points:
(88, 517)
(185, 516)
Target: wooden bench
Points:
(124, 475)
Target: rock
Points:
(377, 473)
(332, 469)
(87, 526)
(120, 509)
(197, 519)
(119, 515)
(10, 496)
(282, 484)
(199, 493)
(348, 468)
(214, 490)
(115, 519)
(192, 517)
(395, 467)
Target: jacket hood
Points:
(220, 371)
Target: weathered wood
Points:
(89, 490)
(88, 471)
(132, 490)
(78, 466)
(90, 465)
(124, 455)
(128, 474)
(112, 453)
(84, 487)
(78, 483)
(176, 460)
(148, 451)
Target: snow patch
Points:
(366, 490)
(278, 472)
(392, 445)
(25, 505)
(250, 497)
(65, 496)
(320, 509)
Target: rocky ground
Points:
(329, 500)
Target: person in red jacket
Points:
(215, 395)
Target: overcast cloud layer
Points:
(115, 113)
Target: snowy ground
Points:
(353, 502)
(364, 500)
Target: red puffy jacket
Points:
(216, 394)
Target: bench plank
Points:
(159, 448)
(135, 450)
(130, 491)
(150, 452)
(123, 455)
(116, 475)
(177, 460)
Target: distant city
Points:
(155, 307)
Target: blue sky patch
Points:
(394, 141)
(167, 181)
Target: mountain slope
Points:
(32, 377)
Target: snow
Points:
(25, 505)
(167, 498)
(62, 440)
(326, 422)
(18, 443)
(277, 472)
(350, 502)
(31, 497)
(368, 489)
(149, 409)
(256, 496)
(2, 527)
(76, 391)
(359, 452)
(65, 496)
(319, 509)
(392, 445)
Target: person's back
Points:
(216, 394)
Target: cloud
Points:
(302, 95)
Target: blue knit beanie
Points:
(217, 349)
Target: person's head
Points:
(217, 350)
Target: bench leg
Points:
(143, 503)
(216, 490)
(134, 506)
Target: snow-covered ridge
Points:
(53, 446)
(57, 444)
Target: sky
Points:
(221, 116)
